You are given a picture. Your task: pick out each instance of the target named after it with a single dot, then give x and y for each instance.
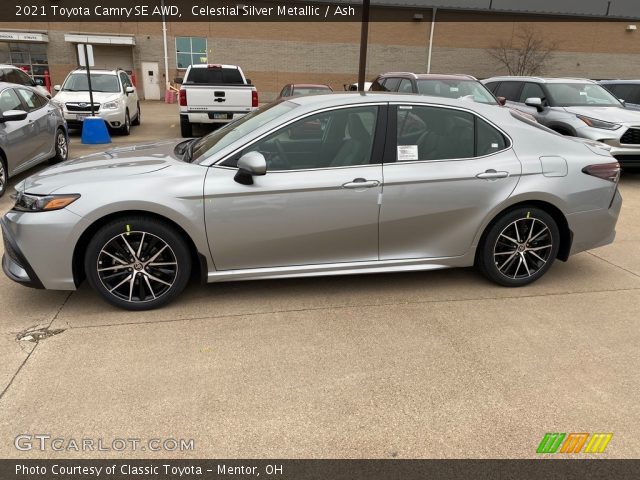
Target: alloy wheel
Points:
(522, 248)
(137, 266)
(61, 145)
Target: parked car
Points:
(115, 99)
(435, 85)
(464, 184)
(627, 91)
(575, 106)
(214, 94)
(295, 89)
(32, 130)
(13, 74)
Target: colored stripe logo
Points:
(573, 442)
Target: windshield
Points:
(100, 82)
(456, 89)
(580, 95)
(216, 141)
(310, 90)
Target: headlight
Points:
(111, 105)
(592, 122)
(27, 202)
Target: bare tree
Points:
(525, 54)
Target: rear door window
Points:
(391, 84)
(405, 86)
(215, 76)
(509, 90)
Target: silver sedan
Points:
(32, 130)
(318, 185)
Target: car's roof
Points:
(430, 76)
(539, 79)
(630, 82)
(8, 65)
(4, 85)
(216, 65)
(98, 70)
(311, 85)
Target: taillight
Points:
(183, 98)
(254, 98)
(606, 171)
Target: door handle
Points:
(491, 174)
(361, 183)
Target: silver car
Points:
(32, 130)
(316, 185)
(578, 107)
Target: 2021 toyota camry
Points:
(316, 185)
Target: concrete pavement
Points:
(432, 364)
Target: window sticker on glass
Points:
(494, 145)
(407, 152)
(454, 89)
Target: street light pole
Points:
(364, 39)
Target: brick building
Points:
(594, 38)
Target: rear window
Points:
(215, 76)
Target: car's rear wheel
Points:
(4, 176)
(126, 128)
(186, 129)
(519, 247)
(138, 118)
(137, 263)
(61, 147)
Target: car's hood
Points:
(79, 97)
(608, 114)
(111, 165)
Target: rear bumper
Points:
(594, 228)
(207, 117)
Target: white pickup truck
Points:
(214, 94)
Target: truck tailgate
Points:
(204, 98)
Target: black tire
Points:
(126, 128)
(61, 146)
(527, 238)
(138, 118)
(186, 129)
(4, 176)
(152, 279)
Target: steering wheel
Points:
(284, 157)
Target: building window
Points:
(190, 51)
(30, 57)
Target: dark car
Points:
(448, 86)
(626, 90)
(295, 89)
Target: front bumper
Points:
(114, 118)
(39, 247)
(14, 265)
(594, 228)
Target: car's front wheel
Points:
(138, 118)
(61, 147)
(519, 247)
(4, 176)
(126, 127)
(137, 263)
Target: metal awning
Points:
(100, 39)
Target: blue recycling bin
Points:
(94, 131)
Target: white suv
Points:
(115, 99)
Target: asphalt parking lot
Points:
(432, 364)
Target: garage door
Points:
(111, 56)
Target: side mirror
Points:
(502, 101)
(57, 88)
(13, 116)
(129, 90)
(249, 165)
(534, 102)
